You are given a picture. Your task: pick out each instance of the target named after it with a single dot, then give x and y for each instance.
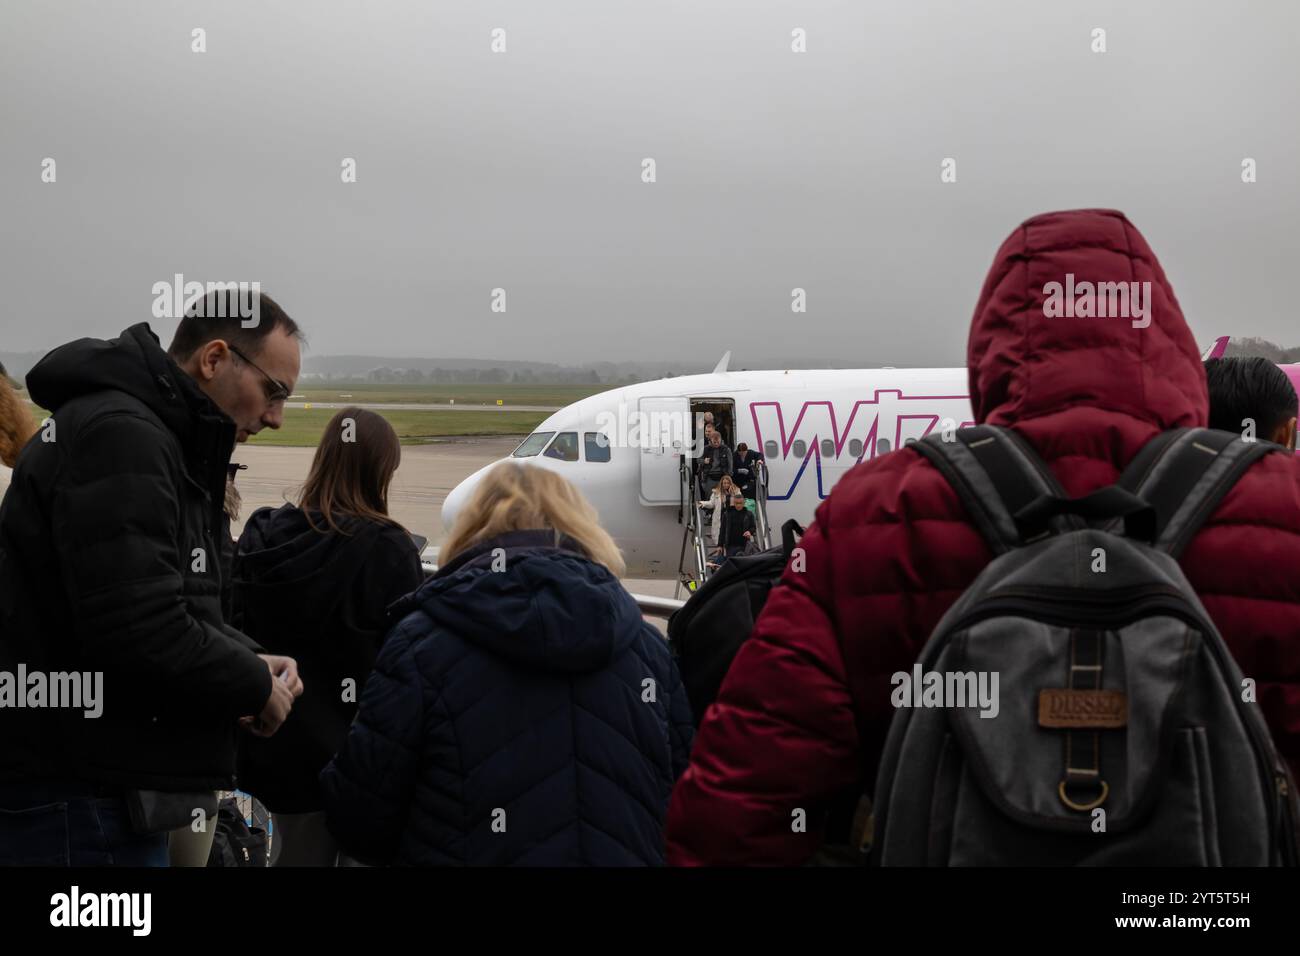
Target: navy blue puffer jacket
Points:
(525, 716)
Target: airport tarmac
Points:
(425, 477)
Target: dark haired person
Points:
(1252, 390)
(110, 565)
(736, 532)
(748, 464)
(715, 462)
(705, 439)
(312, 581)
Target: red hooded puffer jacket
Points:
(803, 713)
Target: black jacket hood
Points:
(279, 549)
(136, 364)
(113, 512)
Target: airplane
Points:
(624, 448)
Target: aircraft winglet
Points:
(1216, 350)
(722, 362)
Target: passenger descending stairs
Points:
(693, 567)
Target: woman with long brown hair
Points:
(522, 712)
(314, 579)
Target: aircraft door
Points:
(664, 435)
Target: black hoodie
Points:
(318, 596)
(110, 563)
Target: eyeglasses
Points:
(275, 390)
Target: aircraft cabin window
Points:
(855, 448)
(882, 447)
(800, 448)
(828, 448)
(533, 444)
(597, 446)
(565, 447)
(769, 449)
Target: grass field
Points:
(555, 396)
(303, 426)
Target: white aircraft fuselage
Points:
(812, 427)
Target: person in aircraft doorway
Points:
(716, 461)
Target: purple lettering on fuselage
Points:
(832, 442)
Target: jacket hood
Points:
(1024, 364)
(280, 552)
(134, 363)
(550, 609)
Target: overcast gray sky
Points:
(522, 170)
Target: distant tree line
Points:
(1255, 347)
(475, 376)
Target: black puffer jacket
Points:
(318, 596)
(109, 561)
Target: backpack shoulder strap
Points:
(1184, 473)
(996, 474)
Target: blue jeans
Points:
(49, 823)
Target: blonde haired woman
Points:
(521, 712)
(16, 423)
(718, 503)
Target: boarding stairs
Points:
(693, 562)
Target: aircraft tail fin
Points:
(1216, 350)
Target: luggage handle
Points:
(1103, 504)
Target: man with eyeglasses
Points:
(110, 564)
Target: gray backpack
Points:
(1077, 706)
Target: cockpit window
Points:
(597, 446)
(533, 444)
(565, 447)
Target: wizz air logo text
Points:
(828, 440)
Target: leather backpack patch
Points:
(1086, 709)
